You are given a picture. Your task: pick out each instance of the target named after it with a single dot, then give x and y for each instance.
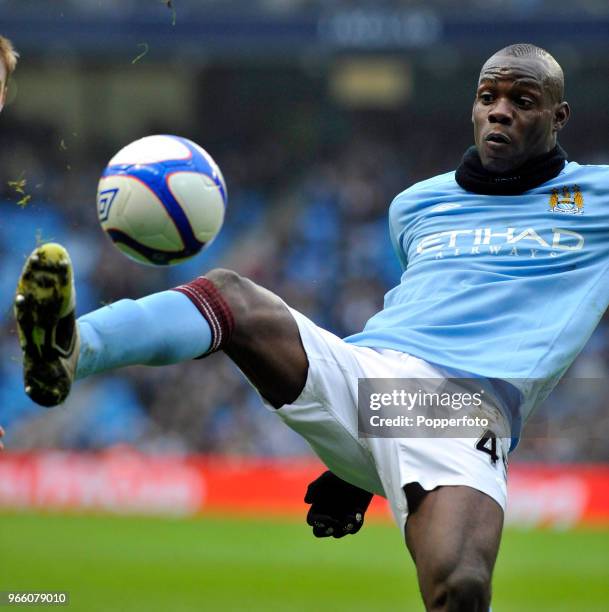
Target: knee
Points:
(468, 589)
(232, 287)
(249, 303)
(226, 281)
(462, 590)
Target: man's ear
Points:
(562, 112)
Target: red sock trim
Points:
(214, 309)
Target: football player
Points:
(484, 249)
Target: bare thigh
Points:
(453, 535)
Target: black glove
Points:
(337, 507)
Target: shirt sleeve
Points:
(396, 229)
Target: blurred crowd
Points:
(312, 228)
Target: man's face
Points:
(516, 115)
(2, 84)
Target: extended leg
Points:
(220, 311)
(223, 312)
(453, 535)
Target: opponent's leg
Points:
(453, 535)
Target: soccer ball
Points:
(161, 199)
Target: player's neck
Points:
(472, 176)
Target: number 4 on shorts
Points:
(488, 444)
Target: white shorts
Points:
(326, 415)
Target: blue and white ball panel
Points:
(201, 200)
(139, 212)
(215, 170)
(154, 176)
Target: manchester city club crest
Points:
(567, 200)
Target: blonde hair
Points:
(8, 55)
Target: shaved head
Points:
(553, 77)
(519, 107)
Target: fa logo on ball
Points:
(104, 202)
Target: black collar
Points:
(472, 176)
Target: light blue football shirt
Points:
(500, 287)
